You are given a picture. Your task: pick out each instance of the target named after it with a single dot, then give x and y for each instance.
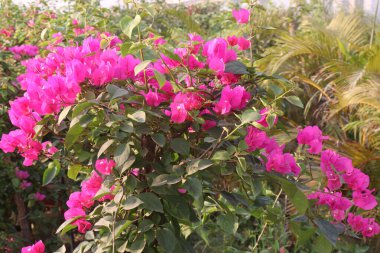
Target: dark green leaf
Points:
(73, 135)
(79, 108)
(151, 202)
(115, 91)
(329, 231)
(167, 240)
(159, 139)
(121, 154)
(228, 223)
(236, 67)
(131, 202)
(198, 164)
(296, 196)
(180, 146)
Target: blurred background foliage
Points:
(333, 61)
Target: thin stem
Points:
(266, 223)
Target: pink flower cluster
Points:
(24, 50)
(38, 247)
(105, 166)
(23, 176)
(312, 136)
(242, 15)
(277, 160)
(81, 200)
(339, 170)
(366, 226)
(337, 204)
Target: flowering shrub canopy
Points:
(153, 133)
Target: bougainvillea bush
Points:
(181, 149)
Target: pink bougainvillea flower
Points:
(356, 180)
(243, 43)
(364, 199)
(178, 112)
(263, 120)
(312, 136)
(367, 226)
(21, 174)
(25, 184)
(242, 16)
(38, 247)
(255, 138)
(105, 166)
(39, 196)
(79, 200)
(75, 22)
(232, 40)
(232, 99)
(217, 65)
(330, 160)
(182, 190)
(283, 163)
(48, 148)
(92, 185)
(336, 203)
(83, 225)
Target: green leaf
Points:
(151, 202)
(160, 78)
(180, 145)
(51, 172)
(63, 114)
(165, 179)
(140, 67)
(67, 223)
(79, 108)
(296, 196)
(105, 146)
(322, 245)
(73, 171)
(121, 226)
(250, 116)
(159, 139)
(228, 223)
(73, 135)
(221, 155)
(270, 119)
(115, 91)
(138, 245)
(138, 116)
(329, 231)
(167, 240)
(61, 249)
(131, 202)
(295, 101)
(194, 187)
(121, 154)
(127, 24)
(198, 164)
(236, 67)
